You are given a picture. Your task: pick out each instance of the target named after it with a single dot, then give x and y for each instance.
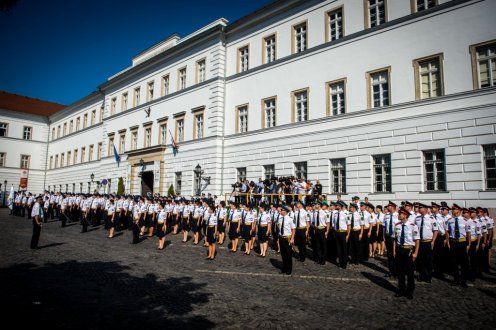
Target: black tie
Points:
(208, 221)
(390, 224)
(422, 229)
(316, 218)
(337, 222)
(402, 237)
(457, 229)
(298, 220)
(230, 218)
(353, 220)
(282, 226)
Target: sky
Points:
(61, 50)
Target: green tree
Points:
(171, 191)
(120, 186)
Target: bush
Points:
(171, 192)
(120, 186)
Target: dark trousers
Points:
(30, 208)
(342, 248)
(85, 223)
(405, 268)
(36, 235)
(331, 246)
(23, 210)
(354, 246)
(320, 245)
(63, 219)
(287, 259)
(458, 253)
(472, 261)
(439, 255)
(390, 256)
(424, 261)
(365, 246)
(301, 242)
(136, 232)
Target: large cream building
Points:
(394, 99)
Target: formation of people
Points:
(433, 240)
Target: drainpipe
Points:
(224, 44)
(46, 156)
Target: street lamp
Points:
(140, 174)
(4, 191)
(92, 176)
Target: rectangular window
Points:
(137, 97)
(269, 172)
(56, 161)
(269, 49)
(338, 176)
(64, 130)
(134, 140)
(180, 130)
(122, 143)
(99, 151)
(58, 131)
(150, 91)
(301, 170)
(111, 146)
(101, 113)
(434, 167)
(90, 153)
(83, 154)
(50, 165)
(27, 133)
(428, 77)
(182, 79)
(269, 112)
(201, 71)
(71, 126)
(68, 161)
(163, 134)
(376, 12)
(243, 59)
(300, 37)
(300, 105)
(335, 24)
(78, 123)
(484, 64)
(379, 87)
(2, 160)
(490, 165)
(93, 117)
(75, 157)
(124, 102)
(198, 126)
(179, 179)
(148, 136)
(165, 85)
(242, 118)
(241, 174)
(85, 120)
(382, 173)
(53, 133)
(113, 103)
(3, 129)
(62, 160)
(419, 5)
(337, 97)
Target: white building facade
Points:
(391, 99)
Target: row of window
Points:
(27, 131)
(60, 187)
(64, 129)
(74, 157)
(375, 14)
(428, 75)
(25, 160)
(434, 165)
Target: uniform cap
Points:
(422, 205)
(326, 203)
(286, 208)
(472, 210)
(433, 204)
(465, 210)
(404, 211)
(456, 207)
(392, 204)
(354, 205)
(355, 198)
(407, 203)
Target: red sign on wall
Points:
(23, 184)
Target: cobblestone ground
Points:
(89, 281)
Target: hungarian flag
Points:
(175, 146)
(116, 156)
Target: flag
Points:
(175, 146)
(117, 157)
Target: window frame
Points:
(99, 150)
(30, 132)
(180, 86)
(239, 176)
(83, 155)
(237, 119)
(269, 174)
(136, 96)
(134, 135)
(475, 63)
(164, 90)
(367, 21)
(150, 90)
(124, 101)
(162, 137)
(436, 179)
(414, 5)
(264, 48)
(328, 37)
(418, 80)
(299, 171)
(485, 159)
(196, 114)
(178, 180)
(178, 120)
(294, 107)
(28, 161)
(6, 129)
(75, 157)
(111, 141)
(294, 43)
(386, 169)
(122, 143)
(264, 111)
(328, 87)
(341, 176)
(199, 77)
(239, 67)
(3, 159)
(147, 142)
(113, 104)
(368, 76)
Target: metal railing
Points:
(268, 198)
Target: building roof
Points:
(9, 101)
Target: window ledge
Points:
(434, 192)
(382, 193)
(487, 190)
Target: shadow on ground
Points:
(98, 295)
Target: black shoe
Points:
(399, 294)
(464, 285)
(409, 296)
(387, 275)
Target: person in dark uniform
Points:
(458, 244)
(405, 251)
(221, 220)
(302, 223)
(161, 226)
(390, 221)
(355, 234)
(286, 228)
(264, 229)
(211, 231)
(427, 226)
(234, 226)
(37, 215)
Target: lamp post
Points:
(198, 172)
(4, 191)
(92, 176)
(140, 174)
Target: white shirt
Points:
(285, 225)
(162, 216)
(249, 218)
(302, 215)
(320, 219)
(264, 219)
(341, 220)
(357, 220)
(411, 233)
(426, 232)
(211, 219)
(36, 211)
(441, 224)
(462, 227)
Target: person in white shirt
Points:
(302, 223)
(221, 214)
(390, 221)
(211, 233)
(110, 218)
(427, 233)
(37, 215)
(356, 233)
(365, 218)
(161, 226)
(440, 253)
(264, 229)
(459, 242)
(286, 228)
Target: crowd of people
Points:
(433, 240)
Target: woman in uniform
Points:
(380, 230)
(234, 226)
(109, 219)
(161, 226)
(195, 225)
(254, 231)
(185, 224)
(372, 230)
(264, 229)
(211, 227)
(221, 218)
(248, 227)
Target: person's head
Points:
(423, 209)
(403, 214)
(445, 210)
(378, 208)
(299, 205)
(285, 210)
(353, 207)
(466, 213)
(456, 210)
(473, 213)
(211, 208)
(262, 208)
(408, 206)
(435, 207)
(366, 199)
(222, 204)
(363, 207)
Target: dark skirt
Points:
(262, 234)
(173, 219)
(142, 219)
(275, 231)
(380, 236)
(194, 225)
(210, 235)
(233, 230)
(185, 224)
(160, 230)
(149, 220)
(220, 226)
(108, 222)
(373, 235)
(246, 232)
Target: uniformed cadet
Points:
(136, 228)
(372, 233)
(286, 228)
(221, 221)
(490, 237)
(234, 226)
(474, 226)
(161, 226)
(405, 251)
(30, 203)
(390, 221)
(342, 229)
(275, 214)
(356, 233)
(264, 229)
(185, 219)
(321, 226)
(365, 218)
(37, 216)
(211, 223)
(195, 222)
(63, 210)
(409, 207)
(110, 218)
(427, 226)
(248, 227)
(331, 236)
(459, 243)
(380, 230)
(484, 241)
(302, 228)
(85, 216)
(440, 252)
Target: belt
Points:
(473, 240)
(321, 227)
(356, 229)
(235, 221)
(341, 231)
(211, 226)
(287, 237)
(458, 240)
(302, 228)
(248, 224)
(406, 247)
(263, 225)
(426, 240)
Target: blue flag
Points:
(117, 157)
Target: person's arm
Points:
(348, 232)
(394, 248)
(361, 233)
(434, 236)
(292, 236)
(469, 240)
(417, 244)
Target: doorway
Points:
(147, 183)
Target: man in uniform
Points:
(427, 226)
(321, 226)
(440, 245)
(356, 234)
(37, 215)
(459, 242)
(302, 227)
(286, 229)
(390, 221)
(342, 228)
(405, 251)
